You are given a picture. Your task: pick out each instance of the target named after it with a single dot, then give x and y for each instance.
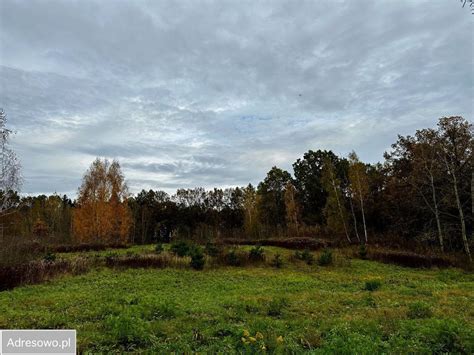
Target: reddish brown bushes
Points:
(289, 243)
(146, 261)
(411, 259)
(39, 271)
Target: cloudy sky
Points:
(214, 93)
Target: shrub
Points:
(50, 257)
(372, 285)
(276, 307)
(197, 259)
(257, 254)
(212, 249)
(159, 248)
(277, 261)
(180, 248)
(362, 251)
(419, 310)
(232, 258)
(325, 258)
(306, 256)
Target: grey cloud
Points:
(216, 92)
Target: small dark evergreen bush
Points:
(325, 258)
(197, 259)
(159, 248)
(277, 261)
(180, 248)
(363, 252)
(232, 258)
(50, 257)
(212, 249)
(372, 285)
(257, 253)
(305, 256)
(419, 310)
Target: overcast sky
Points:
(214, 93)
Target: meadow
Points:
(349, 306)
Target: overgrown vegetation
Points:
(241, 309)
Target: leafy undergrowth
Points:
(254, 309)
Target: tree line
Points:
(423, 193)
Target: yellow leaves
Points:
(255, 342)
(279, 339)
(102, 214)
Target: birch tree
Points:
(334, 210)
(10, 168)
(456, 153)
(359, 185)
(292, 210)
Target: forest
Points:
(419, 198)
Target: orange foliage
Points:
(102, 214)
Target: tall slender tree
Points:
(359, 185)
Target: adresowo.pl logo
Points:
(38, 341)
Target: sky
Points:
(215, 93)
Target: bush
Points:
(197, 259)
(257, 254)
(419, 310)
(372, 285)
(159, 248)
(325, 258)
(50, 257)
(180, 248)
(212, 249)
(232, 258)
(306, 256)
(277, 261)
(362, 251)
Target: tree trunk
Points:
(436, 213)
(355, 219)
(362, 207)
(461, 214)
(340, 209)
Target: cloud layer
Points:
(214, 93)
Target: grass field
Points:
(353, 306)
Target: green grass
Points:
(246, 309)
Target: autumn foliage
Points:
(102, 214)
